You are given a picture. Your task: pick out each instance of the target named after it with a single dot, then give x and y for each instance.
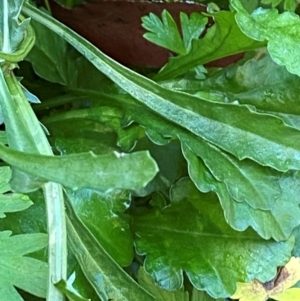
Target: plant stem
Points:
(25, 133)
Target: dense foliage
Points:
(175, 184)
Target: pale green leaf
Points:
(86, 170)
(10, 202)
(166, 34)
(12, 31)
(103, 273)
(163, 33)
(215, 256)
(280, 30)
(192, 27)
(17, 270)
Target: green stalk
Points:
(25, 133)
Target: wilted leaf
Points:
(277, 289)
(231, 127)
(240, 187)
(17, 270)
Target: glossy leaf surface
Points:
(215, 256)
(103, 214)
(103, 273)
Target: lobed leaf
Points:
(215, 256)
(224, 38)
(283, 205)
(147, 282)
(280, 30)
(17, 270)
(163, 33)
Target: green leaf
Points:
(10, 202)
(103, 214)
(103, 273)
(73, 67)
(166, 34)
(17, 270)
(283, 187)
(163, 33)
(2, 135)
(11, 31)
(147, 282)
(224, 38)
(261, 195)
(258, 82)
(87, 170)
(67, 288)
(280, 30)
(215, 256)
(192, 28)
(273, 2)
(203, 296)
(279, 146)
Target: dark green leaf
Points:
(215, 256)
(107, 278)
(103, 214)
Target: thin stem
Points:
(25, 133)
